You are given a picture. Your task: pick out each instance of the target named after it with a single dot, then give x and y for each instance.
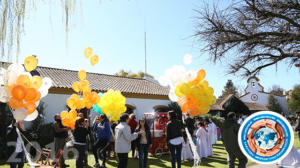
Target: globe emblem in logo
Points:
(266, 137)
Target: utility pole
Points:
(145, 53)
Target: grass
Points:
(219, 160)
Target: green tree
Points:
(252, 34)
(277, 90)
(139, 75)
(229, 88)
(294, 100)
(273, 104)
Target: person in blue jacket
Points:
(102, 132)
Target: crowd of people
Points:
(135, 136)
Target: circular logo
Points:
(266, 137)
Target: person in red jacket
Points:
(133, 124)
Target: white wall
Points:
(55, 103)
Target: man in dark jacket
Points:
(189, 122)
(229, 132)
(297, 127)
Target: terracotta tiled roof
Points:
(252, 106)
(63, 78)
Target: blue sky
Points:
(115, 30)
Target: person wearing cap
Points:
(297, 127)
(229, 133)
(174, 139)
(133, 124)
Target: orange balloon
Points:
(82, 75)
(15, 103)
(30, 63)
(18, 92)
(71, 103)
(94, 60)
(88, 52)
(36, 82)
(66, 122)
(38, 97)
(31, 94)
(30, 107)
(10, 88)
(88, 104)
(24, 80)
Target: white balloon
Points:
(25, 73)
(16, 68)
(32, 116)
(187, 59)
(12, 77)
(47, 82)
(20, 114)
(44, 91)
(191, 75)
(4, 95)
(173, 96)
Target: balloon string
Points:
(197, 159)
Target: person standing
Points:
(133, 124)
(103, 135)
(186, 153)
(80, 135)
(209, 136)
(143, 142)
(123, 140)
(14, 145)
(229, 132)
(174, 139)
(189, 122)
(60, 137)
(214, 132)
(297, 126)
(202, 144)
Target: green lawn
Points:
(219, 159)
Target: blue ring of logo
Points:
(286, 133)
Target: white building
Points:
(254, 93)
(142, 95)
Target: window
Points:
(161, 108)
(129, 109)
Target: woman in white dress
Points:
(186, 153)
(202, 145)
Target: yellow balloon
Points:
(85, 85)
(94, 60)
(30, 63)
(64, 114)
(73, 114)
(82, 75)
(36, 82)
(88, 52)
(177, 91)
(80, 104)
(76, 87)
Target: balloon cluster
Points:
(84, 97)
(113, 104)
(189, 89)
(23, 91)
(68, 119)
(88, 53)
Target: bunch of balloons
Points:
(88, 53)
(84, 97)
(96, 108)
(68, 119)
(23, 91)
(189, 89)
(113, 104)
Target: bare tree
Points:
(252, 34)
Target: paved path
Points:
(264, 165)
